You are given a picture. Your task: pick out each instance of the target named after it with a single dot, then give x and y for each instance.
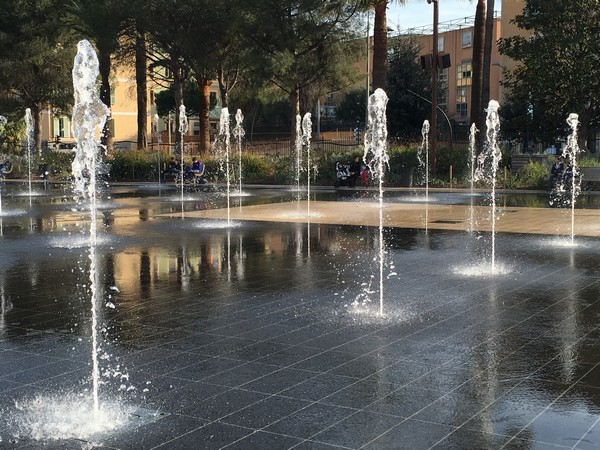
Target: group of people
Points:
(357, 172)
(194, 173)
(559, 174)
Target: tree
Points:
(408, 86)
(170, 28)
(558, 70)
(103, 22)
(380, 42)
(477, 64)
(302, 43)
(487, 54)
(35, 60)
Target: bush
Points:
(135, 165)
(59, 163)
(589, 161)
(533, 175)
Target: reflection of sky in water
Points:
(12, 212)
(217, 224)
(77, 241)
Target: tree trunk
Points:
(104, 68)
(141, 69)
(478, 39)
(380, 45)
(487, 54)
(203, 114)
(36, 114)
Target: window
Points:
(464, 73)
(466, 39)
(443, 89)
(462, 101)
(113, 96)
(61, 127)
(440, 43)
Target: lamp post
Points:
(434, 76)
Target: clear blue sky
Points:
(416, 13)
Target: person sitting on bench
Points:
(198, 169)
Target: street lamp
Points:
(434, 76)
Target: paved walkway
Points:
(420, 215)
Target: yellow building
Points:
(123, 119)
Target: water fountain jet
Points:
(29, 139)
(183, 127)
(238, 132)
(376, 149)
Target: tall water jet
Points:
(570, 155)
(29, 139)
(238, 132)
(158, 151)
(306, 136)
(472, 168)
(472, 155)
(183, 127)
(489, 160)
(376, 153)
(3, 123)
(224, 136)
(423, 156)
(89, 117)
(298, 147)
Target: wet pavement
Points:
(246, 336)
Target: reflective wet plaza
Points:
(265, 333)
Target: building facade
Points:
(455, 39)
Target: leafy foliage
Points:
(408, 86)
(558, 71)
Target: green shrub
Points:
(589, 161)
(135, 165)
(533, 175)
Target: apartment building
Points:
(123, 120)
(455, 39)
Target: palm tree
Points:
(477, 64)
(380, 45)
(487, 53)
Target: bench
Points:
(590, 173)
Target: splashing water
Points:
(59, 416)
(3, 123)
(29, 135)
(89, 117)
(239, 133)
(183, 127)
(570, 154)
(472, 155)
(298, 147)
(159, 142)
(487, 166)
(306, 136)
(376, 153)
(224, 136)
(423, 156)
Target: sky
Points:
(416, 13)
